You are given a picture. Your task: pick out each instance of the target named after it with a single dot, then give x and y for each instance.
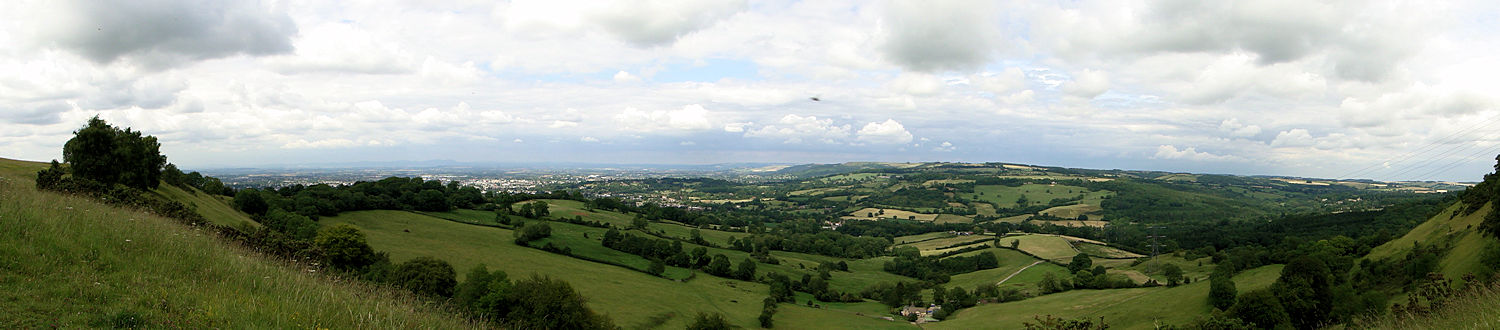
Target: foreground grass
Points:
(1475, 310)
(71, 262)
(1139, 308)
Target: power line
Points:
(1391, 162)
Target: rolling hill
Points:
(72, 262)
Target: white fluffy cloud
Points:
(887, 132)
(1233, 127)
(1190, 153)
(797, 129)
(690, 118)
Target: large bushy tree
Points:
(344, 247)
(426, 276)
(110, 155)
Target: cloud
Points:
(940, 35)
(1189, 153)
(1293, 138)
(42, 113)
(626, 77)
(690, 118)
(562, 124)
(1233, 127)
(736, 127)
(342, 48)
(588, 139)
(661, 22)
(887, 132)
(157, 34)
(945, 147)
(1087, 84)
(794, 129)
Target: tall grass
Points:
(67, 261)
(1475, 309)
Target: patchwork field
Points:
(1074, 211)
(629, 297)
(1073, 223)
(871, 213)
(1138, 308)
(1048, 247)
(1010, 262)
(939, 245)
(1036, 194)
(1103, 251)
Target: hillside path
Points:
(1018, 272)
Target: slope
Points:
(71, 262)
(630, 298)
(1138, 308)
(1457, 232)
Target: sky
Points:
(1385, 90)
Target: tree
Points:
(50, 177)
(475, 286)
(719, 266)
(639, 222)
(767, 310)
(1173, 274)
(533, 231)
(432, 200)
(344, 247)
(959, 298)
(1305, 291)
(541, 302)
(250, 201)
(657, 267)
(1080, 262)
(539, 208)
(293, 225)
(109, 155)
(1221, 290)
(1260, 309)
(426, 276)
(939, 295)
(709, 321)
(746, 270)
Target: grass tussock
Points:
(1474, 309)
(70, 262)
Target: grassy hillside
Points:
(215, 208)
(629, 297)
(1450, 227)
(1139, 308)
(71, 262)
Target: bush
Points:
(533, 231)
(709, 321)
(426, 276)
(344, 247)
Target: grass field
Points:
(71, 262)
(921, 237)
(631, 298)
(931, 245)
(876, 213)
(1036, 194)
(1459, 230)
(1137, 308)
(1075, 210)
(585, 241)
(1043, 246)
(1102, 251)
(568, 209)
(1010, 262)
(215, 208)
(951, 218)
(1194, 269)
(1073, 223)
